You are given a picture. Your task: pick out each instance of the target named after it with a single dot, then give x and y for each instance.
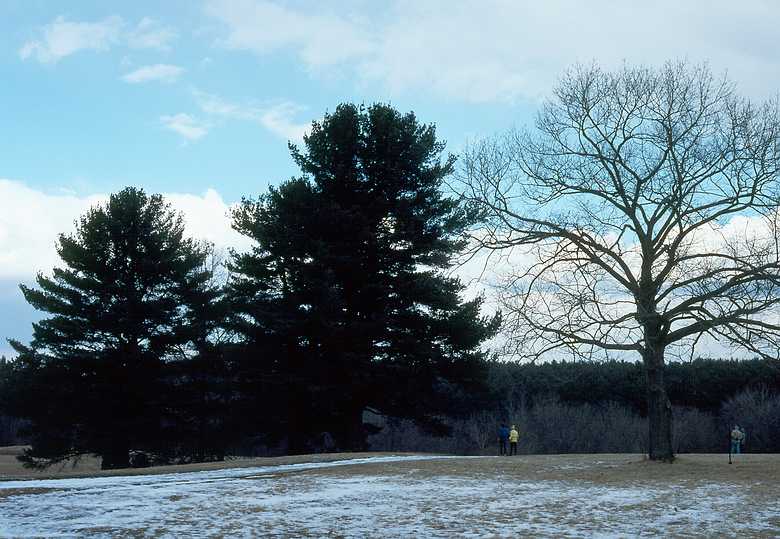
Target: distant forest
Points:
(559, 407)
(582, 407)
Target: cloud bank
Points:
(62, 37)
(502, 50)
(31, 220)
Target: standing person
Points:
(503, 437)
(737, 439)
(513, 437)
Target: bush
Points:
(548, 427)
(9, 430)
(694, 431)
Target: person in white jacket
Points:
(737, 439)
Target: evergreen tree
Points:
(346, 280)
(8, 424)
(6, 369)
(123, 304)
(273, 291)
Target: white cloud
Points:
(216, 106)
(279, 120)
(185, 125)
(62, 38)
(263, 27)
(277, 117)
(207, 218)
(150, 34)
(29, 224)
(31, 220)
(502, 50)
(157, 72)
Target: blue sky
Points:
(197, 99)
(80, 125)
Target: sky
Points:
(198, 99)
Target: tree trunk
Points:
(348, 429)
(356, 432)
(116, 456)
(298, 427)
(659, 408)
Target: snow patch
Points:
(269, 500)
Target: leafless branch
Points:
(627, 203)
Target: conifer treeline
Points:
(704, 383)
(341, 304)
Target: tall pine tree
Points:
(347, 277)
(122, 305)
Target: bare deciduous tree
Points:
(646, 202)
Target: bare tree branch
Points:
(626, 196)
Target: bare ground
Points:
(603, 469)
(598, 468)
(534, 496)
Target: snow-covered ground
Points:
(329, 499)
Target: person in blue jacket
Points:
(503, 438)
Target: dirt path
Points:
(88, 466)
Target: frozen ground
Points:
(411, 496)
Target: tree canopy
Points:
(123, 303)
(347, 274)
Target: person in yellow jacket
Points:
(513, 437)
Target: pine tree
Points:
(121, 306)
(347, 275)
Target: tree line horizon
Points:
(343, 302)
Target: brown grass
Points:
(606, 469)
(10, 492)
(11, 468)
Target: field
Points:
(382, 495)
